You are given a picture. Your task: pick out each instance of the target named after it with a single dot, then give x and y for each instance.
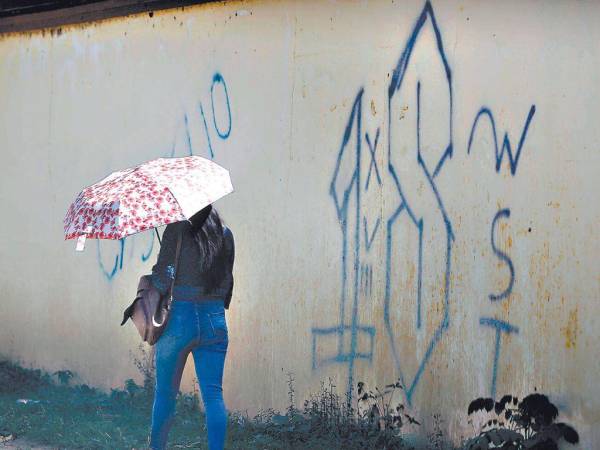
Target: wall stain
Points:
(571, 330)
(125, 18)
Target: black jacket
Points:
(191, 282)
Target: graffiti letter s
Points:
(503, 256)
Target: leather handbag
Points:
(150, 310)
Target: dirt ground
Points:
(22, 444)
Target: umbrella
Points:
(150, 195)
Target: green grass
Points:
(72, 417)
(82, 417)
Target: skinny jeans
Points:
(198, 327)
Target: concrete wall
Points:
(416, 193)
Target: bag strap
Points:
(177, 254)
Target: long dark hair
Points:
(208, 234)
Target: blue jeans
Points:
(199, 327)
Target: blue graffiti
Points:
(406, 208)
(210, 149)
(369, 240)
(504, 257)
(506, 146)
(366, 278)
(373, 164)
(146, 256)
(501, 327)
(118, 260)
(341, 198)
(119, 256)
(187, 135)
(110, 270)
(218, 79)
(421, 217)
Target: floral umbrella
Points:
(150, 195)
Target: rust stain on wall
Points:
(95, 19)
(571, 330)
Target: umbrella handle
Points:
(158, 236)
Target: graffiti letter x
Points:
(372, 149)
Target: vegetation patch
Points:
(49, 410)
(518, 425)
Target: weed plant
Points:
(330, 421)
(527, 424)
(59, 414)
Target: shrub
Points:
(16, 379)
(518, 425)
(328, 420)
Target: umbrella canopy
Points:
(153, 194)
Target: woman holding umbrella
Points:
(173, 192)
(201, 293)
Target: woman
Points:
(202, 292)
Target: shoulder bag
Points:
(150, 310)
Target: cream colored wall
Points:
(301, 77)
